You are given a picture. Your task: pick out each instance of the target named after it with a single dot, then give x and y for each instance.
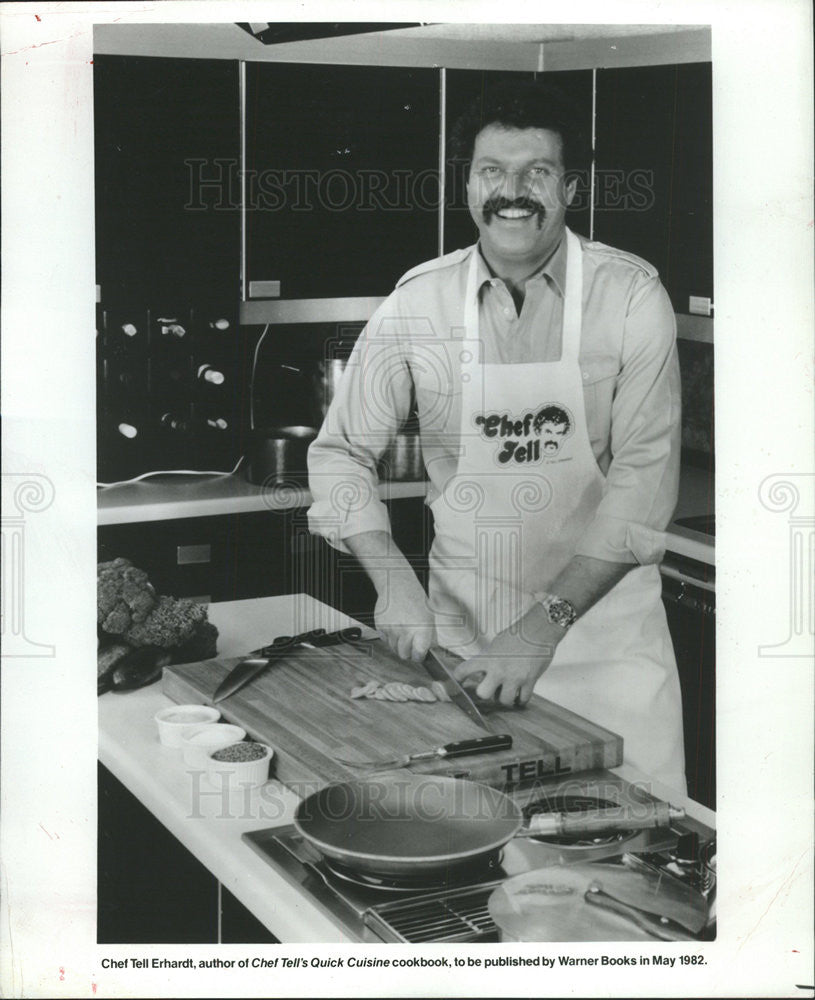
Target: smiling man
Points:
(548, 531)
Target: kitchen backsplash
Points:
(696, 365)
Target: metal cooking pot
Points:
(278, 454)
(408, 824)
(325, 377)
(402, 460)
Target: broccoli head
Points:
(180, 625)
(124, 596)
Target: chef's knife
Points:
(435, 666)
(461, 748)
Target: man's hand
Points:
(512, 663)
(506, 671)
(402, 612)
(403, 616)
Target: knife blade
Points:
(461, 748)
(247, 670)
(435, 666)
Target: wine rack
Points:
(172, 390)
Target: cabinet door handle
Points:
(189, 555)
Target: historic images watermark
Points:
(22, 493)
(221, 185)
(794, 494)
(224, 796)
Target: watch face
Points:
(560, 612)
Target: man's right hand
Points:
(402, 612)
(403, 616)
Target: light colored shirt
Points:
(407, 351)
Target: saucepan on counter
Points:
(278, 454)
(410, 825)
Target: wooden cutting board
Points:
(301, 706)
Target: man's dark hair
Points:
(550, 415)
(523, 104)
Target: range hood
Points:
(279, 32)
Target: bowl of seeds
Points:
(238, 764)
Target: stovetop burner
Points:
(488, 868)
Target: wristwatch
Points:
(559, 611)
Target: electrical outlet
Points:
(700, 305)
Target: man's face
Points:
(552, 436)
(517, 194)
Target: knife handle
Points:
(481, 744)
(350, 634)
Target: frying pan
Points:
(408, 824)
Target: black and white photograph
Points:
(392, 475)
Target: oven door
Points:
(689, 597)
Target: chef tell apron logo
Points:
(536, 436)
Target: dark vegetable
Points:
(136, 669)
(109, 654)
(128, 609)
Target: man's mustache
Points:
(497, 204)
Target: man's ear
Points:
(570, 190)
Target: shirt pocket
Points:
(599, 374)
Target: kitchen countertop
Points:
(165, 497)
(210, 826)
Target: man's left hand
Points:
(507, 670)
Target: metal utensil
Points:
(435, 666)
(250, 668)
(461, 748)
(660, 926)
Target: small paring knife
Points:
(461, 748)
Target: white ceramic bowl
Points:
(199, 741)
(237, 774)
(173, 722)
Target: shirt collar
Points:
(554, 269)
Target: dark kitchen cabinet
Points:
(167, 144)
(151, 890)
(464, 87)
(226, 558)
(342, 182)
(235, 557)
(653, 189)
(691, 614)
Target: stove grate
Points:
(463, 917)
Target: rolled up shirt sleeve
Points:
(371, 403)
(642, 480)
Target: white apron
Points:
(509, 521)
